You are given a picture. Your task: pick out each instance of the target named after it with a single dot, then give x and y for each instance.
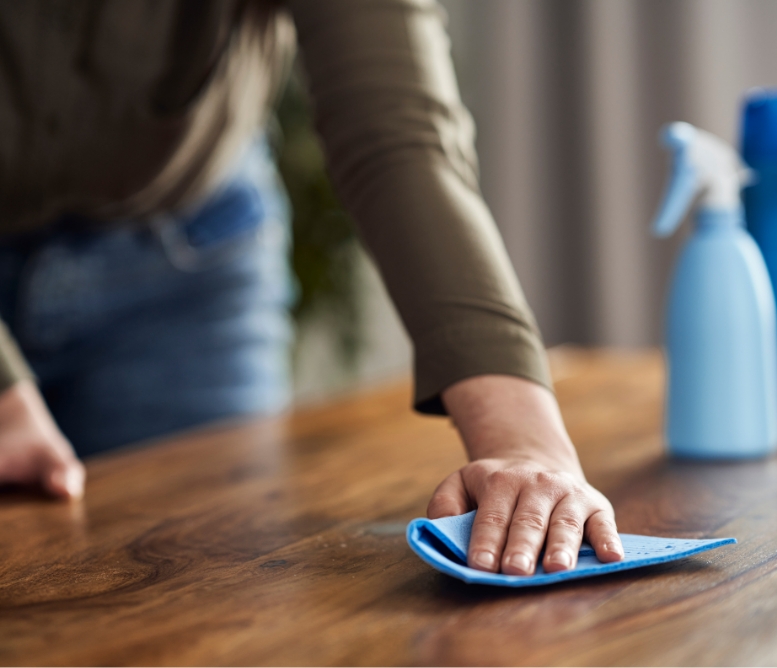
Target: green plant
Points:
(324, 256)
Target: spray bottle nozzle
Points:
(678, 135)
(702, 163)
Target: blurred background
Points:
(568, 98)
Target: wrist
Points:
(506, 417)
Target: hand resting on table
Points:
(524, 478)
(32, 448)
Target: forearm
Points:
(400, 148)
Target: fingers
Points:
(577, 515)
(32, 448)
(601, 532)
(450, 498)
(556, 512)
(489, 531)
(57, 471)
(527, 531)
(565, 533)
(62, 475)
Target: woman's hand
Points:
(32, 448)
(524, 478)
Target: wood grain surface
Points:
(282, 542)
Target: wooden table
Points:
(281, 542)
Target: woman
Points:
(142, 256)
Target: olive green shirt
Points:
(126, 108)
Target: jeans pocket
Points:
(226, 226)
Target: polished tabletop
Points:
(282, 542)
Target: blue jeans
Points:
(135, 331)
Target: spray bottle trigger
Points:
(683, 183)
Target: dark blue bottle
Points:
(759, 151)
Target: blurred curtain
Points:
(568, 96)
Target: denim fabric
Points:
(135, 331)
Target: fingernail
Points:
(519, 562)
(74, 483)
(613, 547)
(483, 559)
(561, 558)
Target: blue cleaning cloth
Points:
(443, 544)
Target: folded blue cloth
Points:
(443, 544)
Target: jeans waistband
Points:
(250, 197)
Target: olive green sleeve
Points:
(12, 365)
(400, 148)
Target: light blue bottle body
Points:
(721, 345)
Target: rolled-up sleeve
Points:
(400, 149)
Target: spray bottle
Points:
(721, 337)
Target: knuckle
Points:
(579, 497)
(500, 478)
(529, 519)
(568, 522)
(574, 486)
(607, 509)
(546, 479)
(491, 518)
(551, 484)
(475, 474)
(603, 522)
